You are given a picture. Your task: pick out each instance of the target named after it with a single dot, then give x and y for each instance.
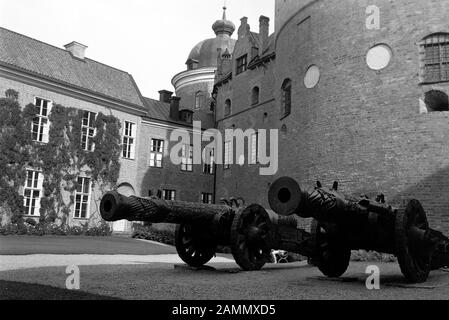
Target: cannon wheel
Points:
(250, 238)
(191, 249)
(414, 260)
(330, 258)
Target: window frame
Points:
(171, 192)
(227, 163)
(209, 166)
(255, 96)
(88, 134)
(254, 148)
(77, 213)
(187, 160)
(440, 64)
(43, 129)
(36, 186)
(129, 148)
(155, 151)
(241, 64)
(207, 196)
(286, 98)
(228, 108)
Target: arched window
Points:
(255, 96)
(286, 99)
(198, 100)
(228, 108)
(436, 101)
(435, 58)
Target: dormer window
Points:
(186, 116)
(242, 64)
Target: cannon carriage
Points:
(341, 224)
(249, 231)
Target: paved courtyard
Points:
(158, 273)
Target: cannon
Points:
(341, 224)
(249, 231)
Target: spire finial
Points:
(224, 10)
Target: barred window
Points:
(169, 194)
(82, 197)
(209, 160)
(435, 53)
(286, 98)
(88, 131)
(40, 126)
(157, 153)
(32, 192)
(187, 158)
(129, 138)
(206, 198)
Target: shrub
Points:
(50, 228)
(153, 234)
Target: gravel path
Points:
(45, 260)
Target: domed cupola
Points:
(223, 26)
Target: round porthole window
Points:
(379, 57)
(312, 77)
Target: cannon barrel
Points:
(115, 206)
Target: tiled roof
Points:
(161, 111)
(58, 64)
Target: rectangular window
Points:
(169, 194)
(254, 148)
(209, 160)
(88, 131)
(227, 155)
(32, 192)
(206, 198)
(40, 126)
(82, 198)
(129, 138)
(242, 64)
(187, 158)
(436, 58)
(156, 153)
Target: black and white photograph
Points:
(224, 156)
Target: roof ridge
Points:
(60, 49)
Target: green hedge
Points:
(30, 227)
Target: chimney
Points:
(165, 96)
(244, 27)
(77, 50)
(174, 108)
(264, 28)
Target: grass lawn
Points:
(24, 245)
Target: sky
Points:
(149, 39)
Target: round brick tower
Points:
(369, 85)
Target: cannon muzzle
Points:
(285, 196)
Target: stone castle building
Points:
(357, 89)
(359, 92)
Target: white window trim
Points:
(40, 183)
(156, 153)
(88, 127)
(209, 154)
(45, 128)
(172, 192)
(89, 198)
(209, 195)
(131, 148)
(228, 154)
(254, 148)
(187, 158)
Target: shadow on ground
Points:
(11, 290)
